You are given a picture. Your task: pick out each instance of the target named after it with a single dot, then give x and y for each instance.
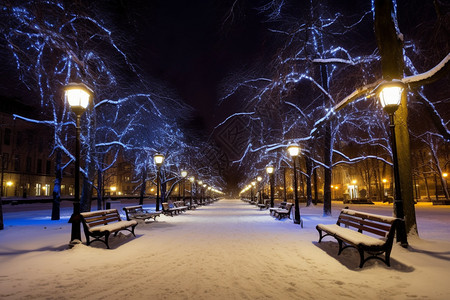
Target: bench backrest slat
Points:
(101, 217)
(366, 223)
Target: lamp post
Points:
(200, 184)
(390, 95)
(270, 169)
(253, 186)
(183, 176)
(294, 151)
(78, 96)
(158, 159)
(192, 180)
(259, 179)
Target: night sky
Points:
(192, 45)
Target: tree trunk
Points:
(57, 187)
(141, 196)
(390, 45)
(99, 189)
(309, 172)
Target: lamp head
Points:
(78, 96)
(183, 173)
(390, 95)
(293, 149)
(158, 158)
(270, 169)
(192, 179)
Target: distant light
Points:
(192, 179)
(270, 169)
(183, 174)
(259, 178)
(384, 180)
(253, 183)
(354, 181)
(445, 175)
(113, 189)
(9, 183)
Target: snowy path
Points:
(227, 250)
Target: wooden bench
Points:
(374, 225)
(138, 213)
(265, 205)
(100, 224)
(169, 210)
(180, 205)
(273, 209)
(283, 212)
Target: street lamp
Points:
(259, 179)
(294, 151)
(270, 170)
(158, 159)
(183, 176)
(78, 96)
(200, 185)
(390, 95)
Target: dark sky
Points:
(193, 45)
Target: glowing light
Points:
(270, 169)
(113, 189)
(183, 174)
(9, 183)
(192, 179)
(158, 158)
(445, 175)
(294, 150)
(384, 180)
(259, 178)
(354, 181)
(77, 95)
(390, 95)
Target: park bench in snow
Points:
(273, 209)
(100, 224)
(364, 238)
(138, 213)
(264, 205)
(180, 205)
(283, 212)
(169, 210)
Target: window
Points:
(5, 159)
(48, 167)
(38, 188)
(39, 166)
(28, 166)
(47, 190)
(17, 163)
(7, 137)
(19, 139)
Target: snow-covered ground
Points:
(227, 250)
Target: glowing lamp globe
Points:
(183, 174)
(192, 179)
(78, 96)
(294, 150)
(390, 95)
(259, 178)
(158, 158)
(270, 169)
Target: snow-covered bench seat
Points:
(100, 224)
(375, 225)
(170, 210)
(138, 213)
